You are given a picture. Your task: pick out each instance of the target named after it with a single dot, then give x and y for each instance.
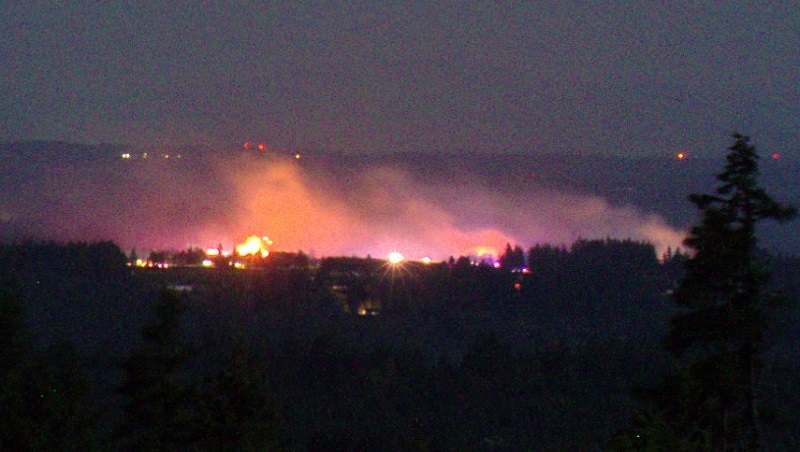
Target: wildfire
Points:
(254, 245)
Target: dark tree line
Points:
(536, 355)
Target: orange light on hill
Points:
(681, 156)
(262, 147)
(254, 245)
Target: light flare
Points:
(395, 258)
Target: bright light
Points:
(262, 147)
(297, 156)
(425, 260)
(208, 263)
(486, 251)
(681, 156)
(776, 156)
(126, 156)
(395, 257)
(254, 245)
(212, 252)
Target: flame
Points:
(254, 245)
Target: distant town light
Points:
(126, 156)
(681, 156)
(395, 257)
(425, 260)
(776, 156)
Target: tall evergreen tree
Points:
(162, 407)
(718, 336)
(240, 413)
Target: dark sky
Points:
(597, 76)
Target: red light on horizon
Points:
(776, 156)
(247, 145)
(262, 146)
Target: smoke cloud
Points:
(377, 209)
(313, 204)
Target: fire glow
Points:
(323, 209)
(253, 246)
(381, 210)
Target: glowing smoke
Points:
(308, 205)
(378, 210)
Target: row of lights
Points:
(145, 155)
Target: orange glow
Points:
(384, 209)
(681, 156)
(486, 251)
(254, 245)
(262, 147)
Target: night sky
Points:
(512, 81)
(592, 77)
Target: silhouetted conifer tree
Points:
(162, 407)
(711, 402)
(239, 412)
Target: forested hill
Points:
(351, 353)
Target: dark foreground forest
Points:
(351, 354)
